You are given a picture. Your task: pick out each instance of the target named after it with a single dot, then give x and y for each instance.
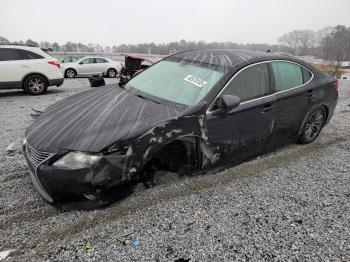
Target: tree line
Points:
(152, 48)
(331, 43)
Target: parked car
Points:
(28, 68)
(192, 112)
(68, 59)
(133, 65)
(88, 66)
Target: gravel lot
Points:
(292, 204)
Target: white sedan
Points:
(88, 66)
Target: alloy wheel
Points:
(70, 73)
(36, 85)
(112, 73)
(314, 124)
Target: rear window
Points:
(287, 75)
(100, 60)
(12, 54)
(88, 61)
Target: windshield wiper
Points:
(147, 98)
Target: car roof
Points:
(94, 57)
(25, 47)
(227, 57)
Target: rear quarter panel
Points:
(328, 95)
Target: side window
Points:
(13, 54)
(25, 54)
(251, 83)
(100, 60)
(287, 75)
(306, 75)
(88, 61)
(8, 54)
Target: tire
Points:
(112, 73)
(35, 85)
(70, 73)
(313, 125)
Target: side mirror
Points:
(229, 102)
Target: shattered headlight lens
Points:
(76, 160)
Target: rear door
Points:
(244, 131)
(101, 65)
(295, 94)
(15, 64)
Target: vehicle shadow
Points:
(21, 93)
(12, 93)
(104, 200)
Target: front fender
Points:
(158, 137)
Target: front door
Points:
(86, 67)
(244, 131)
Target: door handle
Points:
(267, 108)
(24, 66)
(310, 93)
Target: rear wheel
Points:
(112, 73)
(313, 125)
(70, 73)
(35, 85)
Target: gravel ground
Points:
(288, 205)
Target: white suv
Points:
(28, 68)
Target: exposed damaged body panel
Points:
(184, 114)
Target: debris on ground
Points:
(122, 238)
(182, 260)
(136, 243)
(4, 254)
(88, 245)
(11, 148)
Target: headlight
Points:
(76, 160)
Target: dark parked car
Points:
(133, 65)
(190, 113)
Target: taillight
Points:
(55, 63)
(335, 85)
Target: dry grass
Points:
(330, 69)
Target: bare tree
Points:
(31, 43)
(306, 39)
(4, 41)
(45, 45)
(336, 45)
(291, 39)
(56, 47)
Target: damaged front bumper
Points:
(56, 184)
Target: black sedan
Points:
(192, 112)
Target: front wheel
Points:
(313, 125)
(112, 73)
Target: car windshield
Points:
(177, 81)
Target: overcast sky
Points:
(109, 22)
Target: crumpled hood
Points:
(93, 120)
